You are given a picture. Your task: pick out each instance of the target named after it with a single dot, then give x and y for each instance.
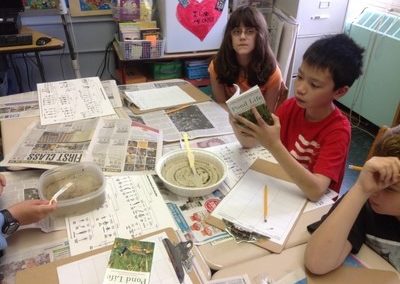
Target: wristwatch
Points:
(10, 223)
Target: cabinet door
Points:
(302, 43)
(321, 16)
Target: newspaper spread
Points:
(34, 256)
(27, 104)
(123, 146)
(52, 145)
(25, 186)
(72, 100)
(190, 213)
(199, 120)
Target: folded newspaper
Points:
(242, 104)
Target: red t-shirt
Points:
(322, 146)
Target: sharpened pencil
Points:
(265, 203)
(356, 168)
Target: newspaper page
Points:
(10, 264)
(190, 214)
(133, 207)
(239, 159)
(52, 145)
(199, 120)
(27, 104)
(72, 100)
(123, 146)
(19, 105)
(26, 187)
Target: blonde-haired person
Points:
(369, 213)
(245, 58)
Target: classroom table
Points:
(276, 266)
(36, 49)
(217, 256)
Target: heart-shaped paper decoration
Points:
(198, 17)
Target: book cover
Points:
(130, 262)
(242, 103)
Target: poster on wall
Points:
(199, 24)
(199, 17)
(90, 7)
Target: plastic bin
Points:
(85, 193)
(140, 49)
(167, 70)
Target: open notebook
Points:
(244, 205)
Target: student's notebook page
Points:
(244, 205)
(159, 98)
(94, 267)
(72, 100)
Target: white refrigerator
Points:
(192, 25)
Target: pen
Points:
(356, 168)
(265, 203)
(172, 110)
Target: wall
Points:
(92, 35)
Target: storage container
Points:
(167, 70)
(140, 49)
(86, 192)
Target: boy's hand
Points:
(267, 135)
(31, 211)
(2, 183)
(379, 173)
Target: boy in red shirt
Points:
(310, 137)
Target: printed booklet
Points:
(130, 262)
(242, 103)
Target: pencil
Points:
(265, 203)
(356, 168)
(172, 110)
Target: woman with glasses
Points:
(245, 58)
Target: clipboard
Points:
(188, 88)
(47, 273)
(276, 171)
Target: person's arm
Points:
(3, 242)
(329, 245)
(2, 183)
(31, 211)
(313, 185)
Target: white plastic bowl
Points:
(173, 169)
(86, 193)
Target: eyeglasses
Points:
(248, 32)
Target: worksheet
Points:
(71, 100)
(244, 205)
(133, 207)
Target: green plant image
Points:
(263, 111)
(131, 255)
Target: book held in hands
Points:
(242, 103)
(130, 262)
